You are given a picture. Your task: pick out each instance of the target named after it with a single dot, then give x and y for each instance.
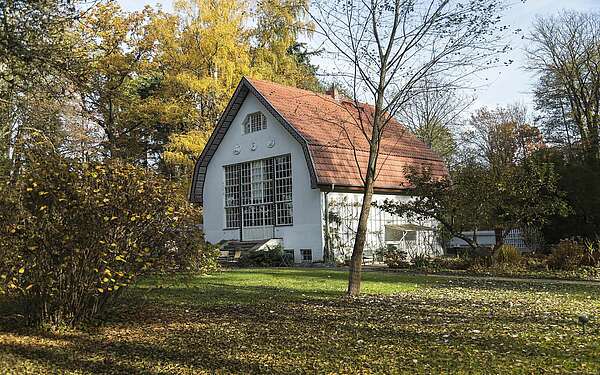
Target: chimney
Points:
(333, 92)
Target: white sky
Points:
(502, 85)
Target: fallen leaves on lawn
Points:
(276, 322)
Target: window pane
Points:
(232, 217)
(245, 183)
(232, 186)
(284, 213)
(306, 255)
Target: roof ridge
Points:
(322, 95)
(250, 79)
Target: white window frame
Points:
(306, 255)
(259, 192)
(254, 122)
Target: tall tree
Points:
(207, 58)
(120, 50)
(501, 138)
(219, 42)
(32, 37)
(278, 55)
(386, 48)
(502, 142)
(36, 57)
(523, 196)
(435, 114)
(565, 51)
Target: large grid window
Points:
(259, 193)
(232, 196)
(254, 122)
(283, 190)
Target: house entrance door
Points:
(257, 222)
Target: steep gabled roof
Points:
(331, 134)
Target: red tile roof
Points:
(333, 132)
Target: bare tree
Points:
(565, 51)
(385, 48)
(435, 116)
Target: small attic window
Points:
(254, 122)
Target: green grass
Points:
(297, 321)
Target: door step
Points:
(232, 250)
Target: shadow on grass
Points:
(219, 323)
(580, 291)
(334, 274)
(215, 293)
(98, 355)
(237, 339)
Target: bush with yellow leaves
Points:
(74, 235)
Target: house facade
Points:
(285, 165)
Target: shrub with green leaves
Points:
(74, 235)
(395, 258)
(421, 261)
(449, 263)
(271, 257)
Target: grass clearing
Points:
(297, 321)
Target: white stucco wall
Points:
(306, 231)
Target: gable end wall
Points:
(306, 231)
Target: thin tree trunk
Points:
(354, 279)
(356, 261)
(499, 236)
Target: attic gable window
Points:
(255, 122)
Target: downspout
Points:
(241, 214)
(328, 255)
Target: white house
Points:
(280, 158)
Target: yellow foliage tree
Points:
(182, 151)
(209, 55)
(278, 55)
(214, 48)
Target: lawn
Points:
(297, 321)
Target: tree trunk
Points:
(499, 237)
(361, 238)
(354, 279)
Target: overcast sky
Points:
(503, 85)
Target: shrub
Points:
(536, 262)
(395, 258)
(74, 235)
(592, 254)
(567, 255)
(272, 257)
(477, 259)
(203, 259)
(449, 263)
(507, 255)
(421, 261)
